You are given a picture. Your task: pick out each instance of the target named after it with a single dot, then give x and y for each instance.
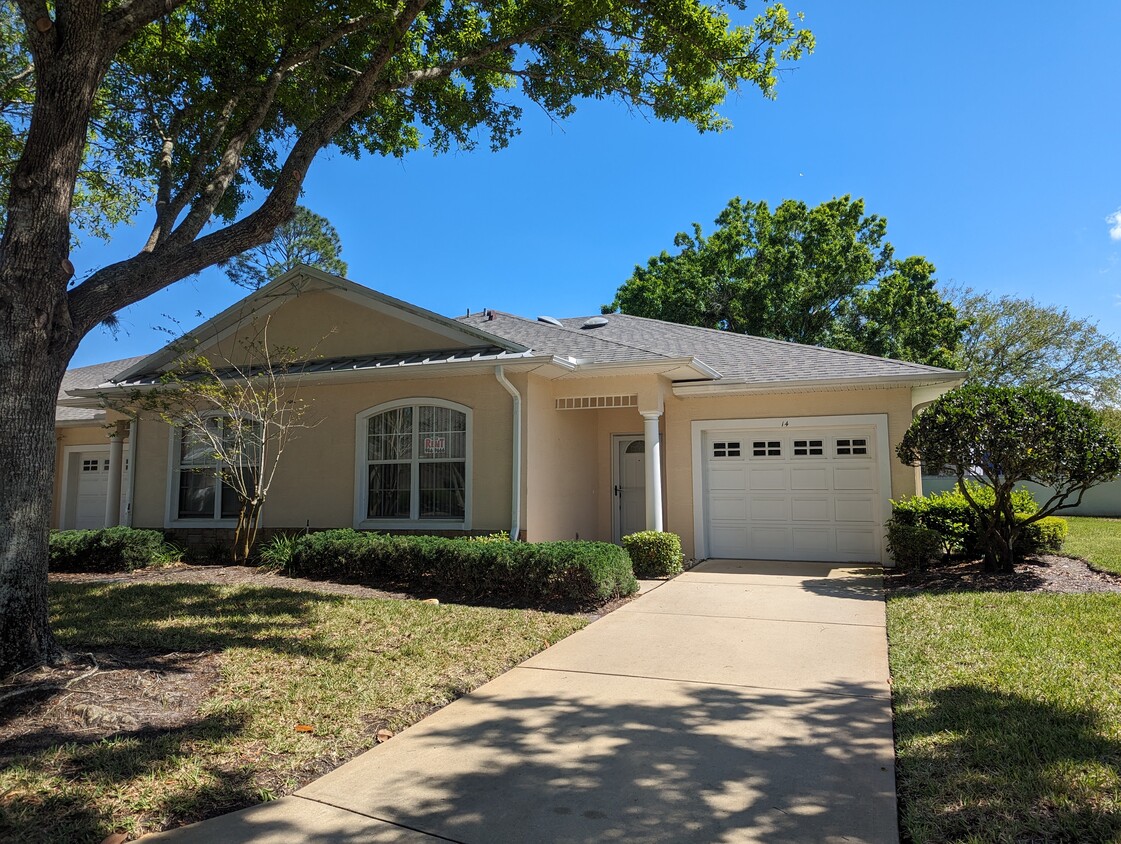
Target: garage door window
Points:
(809, 448)
(852, 447)
(726, 449)
(766, 448)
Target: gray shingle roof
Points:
(86, 378)
(738, 357)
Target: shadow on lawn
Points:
(165, 617)
(988, 766)
(123, 763)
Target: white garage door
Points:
(793, 494)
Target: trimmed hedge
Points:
(913, 546)
(540, 574)
(654, 553)
(109, 550)
(949, 515)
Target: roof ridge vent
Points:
(548, 320)
(595, 322)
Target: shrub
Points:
(1046, 535)
(913, 546)
(654, 553)
(541, 574)
(109, 550)
(949, 514)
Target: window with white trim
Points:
(200, 491)
(415, 463)
(726, 449)
(766, 448)
(809, 448)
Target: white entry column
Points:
(653, 470)
(116, 464)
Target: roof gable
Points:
(320, 315)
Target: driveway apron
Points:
(741, 701)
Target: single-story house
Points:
(587, 427)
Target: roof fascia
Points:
(661, 365)
(809, 385)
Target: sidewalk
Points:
(742, 701)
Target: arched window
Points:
(414, 461)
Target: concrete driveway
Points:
(741, 701)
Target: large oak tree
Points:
(215, 110)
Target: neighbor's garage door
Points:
(783, 494)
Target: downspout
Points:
(516, 484)
(133, 428)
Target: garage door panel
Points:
(727, 541)
(816, 509)
(768, 477)
(725, 477)
(811, 543)
(728, 507)
(809, 477)
(860, 544)
(855, 509)
(780, 501)
(770, 541)
(854, 477)
(769, 508)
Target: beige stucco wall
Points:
(325, 325)
(315, 481)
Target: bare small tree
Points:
(236, 420)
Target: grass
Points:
(337, 664)
(1007, 716)
(1096, 540)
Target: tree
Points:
(808, 275)
(1002, 436)
(903, 317)
(1019, 342)
(236, 419)
(305, 238)
(216, 110)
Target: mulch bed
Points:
(1043, 573)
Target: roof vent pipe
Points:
(516, 478)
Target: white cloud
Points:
(1114, 221)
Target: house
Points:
(587, 428)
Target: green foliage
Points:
(823, 276)
(960, 527)
(1012, 342)
(307, 238)
(654, 553)
(1004, 436)
(1045, 536)
(541, 574)
(913, 547)
(109, 550)
(276, 554)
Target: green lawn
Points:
(1096, 540)
(336, 664)
(1008, 716)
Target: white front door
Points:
(630, 486)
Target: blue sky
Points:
(988, 135)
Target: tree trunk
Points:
(29, 382)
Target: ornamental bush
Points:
(1004, 436)
(546, 575)
(654, 553)
(913, 547)
(109, 550)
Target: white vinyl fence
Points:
(1101, 500)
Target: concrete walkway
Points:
(742, 701)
